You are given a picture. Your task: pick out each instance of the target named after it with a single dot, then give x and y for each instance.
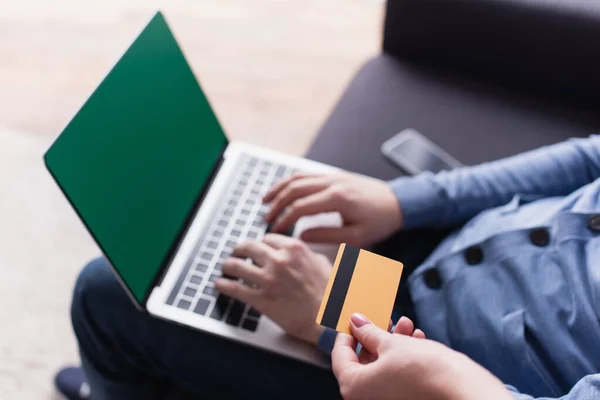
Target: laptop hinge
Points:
(186, 225)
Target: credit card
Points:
(360, 282)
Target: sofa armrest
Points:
(550, 46)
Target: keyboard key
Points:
(210, 291)
(212, 245)
(230, 243)
(196, 279)
(218, 233)
(184, 304)
(280, 171)
(253, 162)
(217, 313)
(191, 292)
(236, 233)
(235, 313)
(201, 267)
(201, 306)
(228, 212)
(250, 324)
(225, 254)
(224, 300)
(222, 223)
(218, 266)
(215, 275)
(252, 235)
(253, 313)
(220, 307)
(245, 211)
(206, 256)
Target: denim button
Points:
(594, 223)
(474, 255)
(540, 237)
(432, 278)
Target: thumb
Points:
(367, 334)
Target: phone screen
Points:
(419, 155)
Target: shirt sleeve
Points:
(453, 197)
(587, 388)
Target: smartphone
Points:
(414, 153)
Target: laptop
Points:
(150, 172)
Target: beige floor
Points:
(272, 69)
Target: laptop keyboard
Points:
(239, 217)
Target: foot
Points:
(70, 382)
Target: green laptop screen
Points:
(137, 155)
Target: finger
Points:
(364, 357)
(369, 335)
(295, 190)
(346, 234)
(238, 291)
(278, 241)
(278, 187)
(404, 327)
(343, 356)
(242, 269)
(419, 334)
(314, 204)
(258, 252)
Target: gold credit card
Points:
(360, 282)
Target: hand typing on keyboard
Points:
(368, 207)
(286, 282)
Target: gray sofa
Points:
(484, 79)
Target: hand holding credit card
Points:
(360, 282)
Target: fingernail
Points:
(359, 320)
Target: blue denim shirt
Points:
(517, 288)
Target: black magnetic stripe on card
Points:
(339, 289)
